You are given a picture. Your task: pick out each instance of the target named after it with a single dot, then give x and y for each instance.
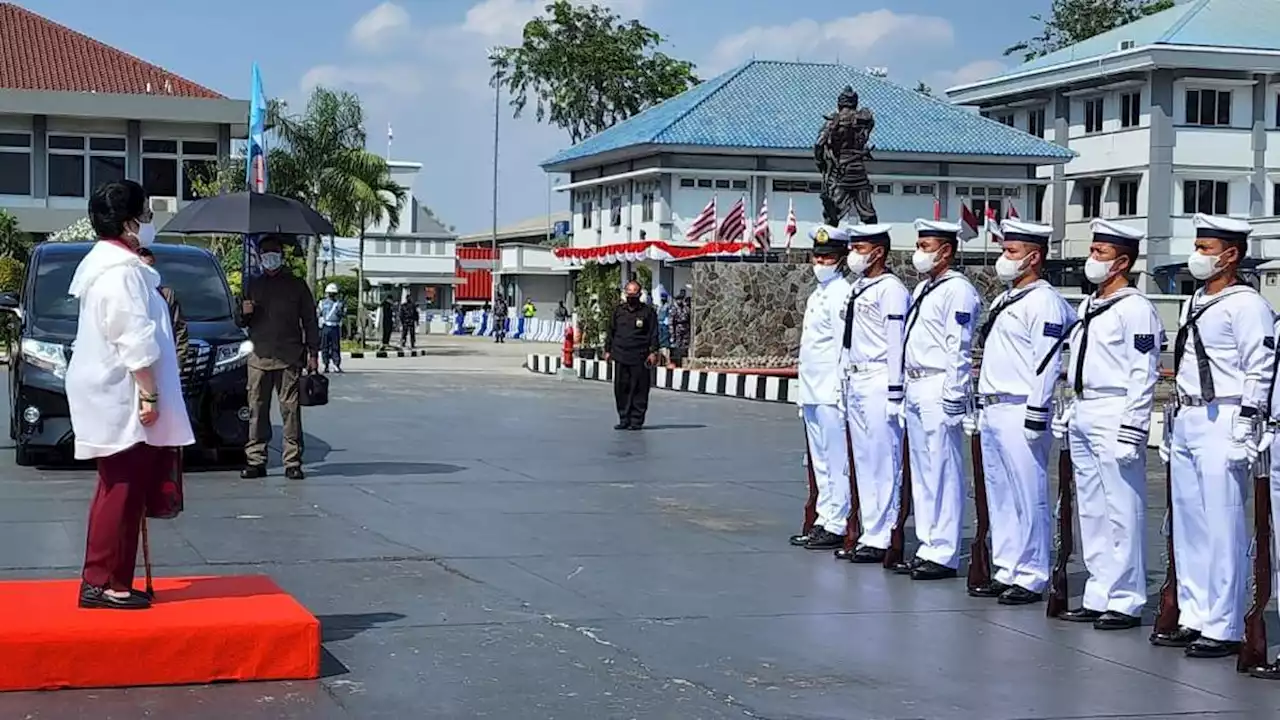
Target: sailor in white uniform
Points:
(938, 364)
(874, 316)
(1015, 393)
(821, 389)
(1223, 356)
(1271, 442)
(1115, 360)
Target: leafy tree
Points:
(1071, 21)
(924, 89)
(13, 242)
(587, 69)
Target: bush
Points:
(11, 272)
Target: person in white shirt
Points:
(1271, 443)
(1223, 358)
(873, 317)
(821, 401)
(938, 363)
(1115, 361)
(123, 390)
(1015, 394)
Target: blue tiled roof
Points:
(1246, 24)
(770, 105)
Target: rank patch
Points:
(963, 318)
(1269, 343)
(1144, 343)
(1053, 330)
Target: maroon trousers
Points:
(115, 515)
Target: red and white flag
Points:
(792, 225)
(734, 225)
(704, 223)
(761, 233)
(937, 208)
(993, 224)
(968, 224)
(1012, 213)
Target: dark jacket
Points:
(631, 335)
(283, 324)
(180, 336)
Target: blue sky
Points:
(420, 64)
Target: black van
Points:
(214, 373)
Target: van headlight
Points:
(50, 357)
(231, 356)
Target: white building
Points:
(526, 264)
(749, 135)
(1171, 115)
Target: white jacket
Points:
(124, 326)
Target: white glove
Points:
(1164, 448)
(895, 412)
(1127, 454)
(970, 423)
(950, 421)
(1264, 444)
(1032, 436)
(1062, 420)
(1243, 449)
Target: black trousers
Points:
(386, 333)
(631, 392)
(409, 334)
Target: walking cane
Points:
(146, 558)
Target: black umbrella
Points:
(248, 213)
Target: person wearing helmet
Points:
(330, 313)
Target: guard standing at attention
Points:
(1115, 360)
(1271, 442)
(1223, 356)
(874, 314)
(938, 359)
(821, 394)
(1015, 392)
(330, 314)
(631, 342)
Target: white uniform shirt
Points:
(940, 334)
(872, 319)
(1121, 356)
(124, 326)
(1020, 338)
(1236, 329)
(820, 344)
(1274, 403)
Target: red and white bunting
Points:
(704, 223)
(792, 226)
(968, 224)
(1012, 212)
(993, 225)
(734, 225)
(762, 225)
(648, 250)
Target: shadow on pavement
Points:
(337, 628)
(383, 468)
(674, 427)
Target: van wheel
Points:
(24, 456)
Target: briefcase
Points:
(313, 390)
(164, 501)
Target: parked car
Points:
(214, 370)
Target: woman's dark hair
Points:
(115, 203)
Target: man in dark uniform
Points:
(631, 342)
(408, 323)
(279, 311)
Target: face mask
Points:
(272, 261)
(1097, 271)
(924, 262)
(633, 300)
(858, 263)
(825, 273)
(1201, 266)
(1008, 269)
(146, 234)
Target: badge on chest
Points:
(640, 322)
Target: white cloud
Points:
(381, 28)
(973, 72)
(869, 36)
(502, 21)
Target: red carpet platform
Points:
(199, 630)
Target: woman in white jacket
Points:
(124, 390)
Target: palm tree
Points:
(371, 197)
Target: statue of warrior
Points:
(842, 151)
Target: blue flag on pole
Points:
(255, 165)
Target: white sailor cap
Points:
(938, 229)
(869, 233)
(1115, 233)
(1018, 231)
(1222, 228)
(829, 240)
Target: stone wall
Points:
(751, 314)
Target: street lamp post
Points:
(493, 244)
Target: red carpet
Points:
(199, 630)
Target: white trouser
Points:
(1210, 540)
(824, 425)
(937, 472)
(877, 454)
(1017, 497)
(1275, 510)
(1111, 499)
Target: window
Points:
(1204, 196)
(1127, 196)
(1004, 119)
(1037, 208)
(66, 166)
(1093, 115)
(979, 208)
(800, 186)
(1035, 122)
(1275, 199)
(588, 210)
(926, 189)
(393, 247)
(884, 189)
(686, 182)
(169, 165)
(722, 184)
(704, 183)
(15, 164)
(1130, 109)
(380, 247)
(909, 190)
(1209, 107)
(1091, 199)
(739, 184)
(615, 212)
(646, 207)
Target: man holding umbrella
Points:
(279, 311)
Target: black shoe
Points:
(868, 555)
(1209, 648)
(95, 598)
(622, 426)
(1266, 672)
(844, 554)
(1081, 615)
(906, 566)
(822, 539)
(993, 589)
(1111, 620)
(802, 539)
(929, 570)
(635, 426)
(1180, 638)
(252, 472)
(294, 472)
(1019, 596)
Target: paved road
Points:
(483, 544)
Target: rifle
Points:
(1167, 613)
(810, 505)
(854, 531)
(1064, 543)
(1253, 651)
(898, 539)
(979, 552)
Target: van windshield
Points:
(196, 281)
